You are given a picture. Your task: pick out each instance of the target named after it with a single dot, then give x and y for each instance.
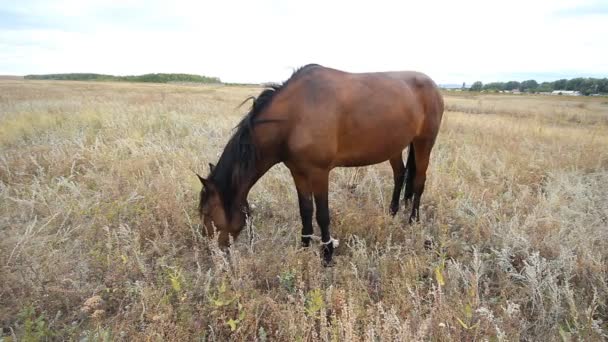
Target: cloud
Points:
(245, 41)
(10, 20)
(585, 9)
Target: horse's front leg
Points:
(305, 204)
(320, 190)
(306, 209)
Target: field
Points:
(100, 239)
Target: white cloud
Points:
(453, 41)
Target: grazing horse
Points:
(319, 119)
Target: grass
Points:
(100, 238)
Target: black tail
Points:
(410, 172)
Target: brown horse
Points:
(321, 118)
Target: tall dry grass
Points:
(100, 238)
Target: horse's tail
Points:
(410, 172)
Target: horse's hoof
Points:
(306, 242)
(429, 244)
(393, 211)
(327, 263)
(327, 252)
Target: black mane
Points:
(239, 157)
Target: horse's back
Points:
(418, 84)
(352, 119)
(412, 89)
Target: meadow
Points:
(100, 238)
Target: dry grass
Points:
(100, 238)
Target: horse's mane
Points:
(239, 156)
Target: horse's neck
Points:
(245, 187)
(242, 190)
(241, 193)
(267, 157)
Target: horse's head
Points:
(215, 216)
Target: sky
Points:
(264, 41)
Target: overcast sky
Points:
(258, 41)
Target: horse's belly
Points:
(356, 138)
(371, 149)
(375, 132)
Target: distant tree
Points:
(588, 86)
(495, 86)
(477, 86)
(585, 85)
(575, 83)
(560, 84)
(545, 87)
(529, 86)
(155, 78)
(511, 85)
(602, 85)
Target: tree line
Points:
(586, 86)
(152, 78)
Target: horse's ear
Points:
(203, 180)
(211, 167)
(207, 184)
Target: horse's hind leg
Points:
(398, 176)
(410, 172)
(422, 151)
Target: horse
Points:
(319, 119)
